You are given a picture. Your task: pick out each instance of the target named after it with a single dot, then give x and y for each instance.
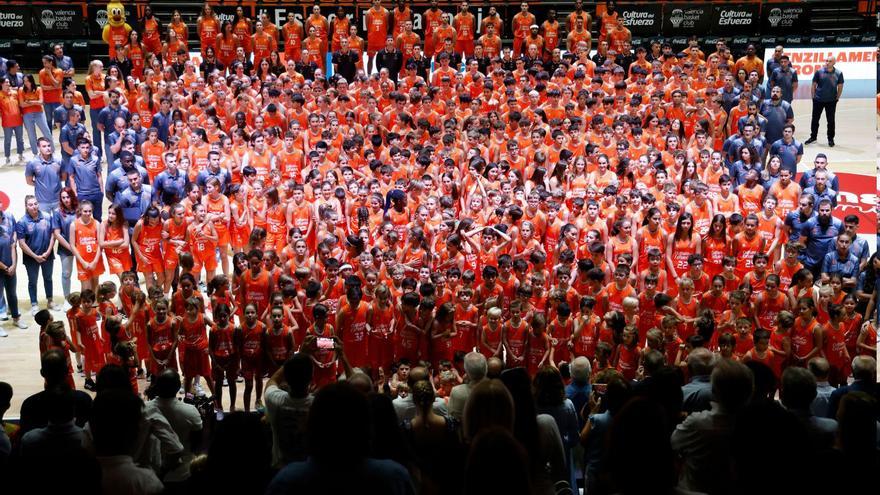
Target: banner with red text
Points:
(858, 65)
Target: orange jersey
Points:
(87, 239)
(153, 161)
(377, 27)
(465, 26)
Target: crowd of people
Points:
(474, 264)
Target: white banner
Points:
(858, 62)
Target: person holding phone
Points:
(610, 392)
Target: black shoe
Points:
(810, 141)
(89, 385)
(830, 143)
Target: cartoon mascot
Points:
(116, 30)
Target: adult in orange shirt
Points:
(263, 44)
(441, 34)
(378, 20)
(433, 19)
(578, 13)
(339, 28)
(550, 33)
(293, 35)
(399, 16)
(407, 40)
(465, 25)
(151, 31)
(577, 35)
(243, 30)
(315, 46)
(750, 62)
(491, 42)
(319, 22)
(492, 19)
(356, 44)
(10, 115)
(226, 44)
(30, 99)
(269, 27)
(179, 27)
(521, 23)
(50, 81)
(208, 27)
(606, 19)
(618, 36)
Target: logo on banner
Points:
(858, 197)
(225, 17)
(11, 20)
(775, 17)
(59, 19)
(48, 18)
(676, 18)
(785, 17)
(636, 18)
(735, 17)
(101, 18)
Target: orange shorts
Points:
(172, 259)
(82, 274)
(118, 262)
(150, 264)
(239, 237)
(276, 242)
(223, 237)
(206, 260)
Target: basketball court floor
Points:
(855, 156)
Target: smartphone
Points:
(600, 388)
(326, 343)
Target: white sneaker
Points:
(34, 310)
(4, 316)
(3, 333)
(199, 391)
(20, 324)
(53, 307)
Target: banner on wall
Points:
(642, 19)
(686, 18)
(15, 21)
(59, 20)
(784, 18)
(857, 63)
(858, 196)
(736, 18)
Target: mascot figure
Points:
(116, 30)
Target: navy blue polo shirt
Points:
(826, 84)
(36, 232)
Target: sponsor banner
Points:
(59, 21)
(686, 18)
(736, 18)
(15, 21)
(784, 18)
(227, 12)
(98, 18)
(857, 63)
(858, 196)
(641, 18)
